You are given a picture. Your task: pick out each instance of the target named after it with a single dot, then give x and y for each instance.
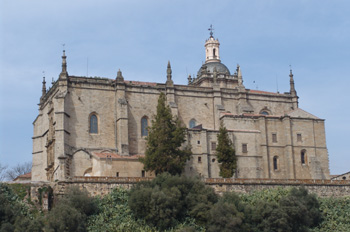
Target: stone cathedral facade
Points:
(97, 126)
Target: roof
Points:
(337, 176)
(300, 113)
(116, 156)
(220, 68)
(141, 83)
(24, 176)
(261, 92)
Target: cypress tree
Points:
(165, 137)
(225, 153)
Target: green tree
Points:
(225, 153)
(169, 200)
(165, 137)
(71, 211)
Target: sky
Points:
(265, 37)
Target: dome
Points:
(220, 68)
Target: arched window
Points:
(192, 123)
(144, 125)
(264, 112)
(275, 163)
(214, 55)
(93, 124)
(303, 156)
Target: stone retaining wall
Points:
(103, 185)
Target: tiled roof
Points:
(24, 176)
(259, 91)
(141, 83)
(116, 156)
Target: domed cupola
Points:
(212, 57)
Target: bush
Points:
(295, 211)
(336, 214)
(14, 213)
(168, 200)
(71, 211)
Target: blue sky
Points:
(139, 37)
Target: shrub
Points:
(71, 211)
(168, 200)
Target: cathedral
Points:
(98, 126)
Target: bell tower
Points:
(212, 48)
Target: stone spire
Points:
(239, 75)
(120, 77)
(169, 81)
(43, 91)
(292, 87)
(64, 73)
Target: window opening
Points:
(144, 125)
(303, 156)
(275, 163)
(117, 174)
(274, 137)
(199, 159)
(213, 146)
(192, 123)
(299, 138)
(93, 124)
(264, 112)
(244, 148)
(143, 173)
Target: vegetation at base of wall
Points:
(225, 153)
(15, 213)
(168, 200)
(194, 207)
(164, 140)
(336, 214)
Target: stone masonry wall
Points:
(103, 185)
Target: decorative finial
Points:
(169, 82)
(120, 77)
(189, 79)
(211, 29)
(43, 91)
(53, 81)
(291, 81)
(64, 73)
(239, 75)
(168, 71)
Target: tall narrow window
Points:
(192, 123)
(274, 137)
(303, 157)
(144, 125)
(244, 148)
(275, 163)
(214, 55)
(93, 124)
